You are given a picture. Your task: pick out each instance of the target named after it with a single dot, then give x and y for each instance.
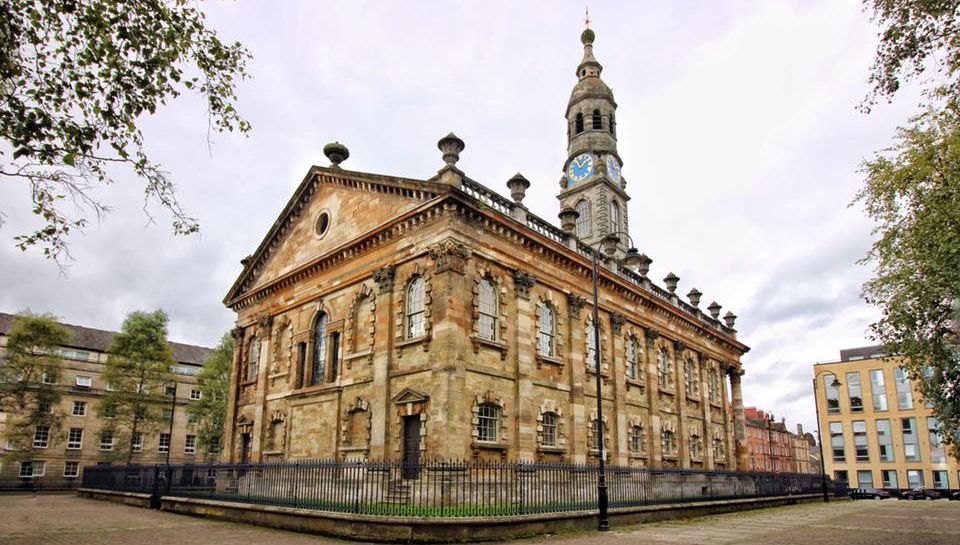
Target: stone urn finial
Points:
(568, 220)
(609, 244)
(336, 152)
(518, 187)
(671, 281)
(451, 146)
(714, 309)
(631, 259)
(643, 267)
(730, 319)
(694, 297)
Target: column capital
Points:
(522, 282)
(575, 304)
(616, 322)
(650, 335)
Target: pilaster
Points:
(380, 413)
(230, 431)
(739, 421)
(264, 326)
(653, 437)
(577, 373)
(523, 348)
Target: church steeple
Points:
(592, 184)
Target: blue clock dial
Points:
(580, 167)
(613, 168)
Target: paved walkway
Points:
(69, 520)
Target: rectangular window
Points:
(190, 445)
(904, 389)
(71, 469)
(860, 440)
(164, 445)
(79, 408)
(885, 441)
(32, 468)
(195, 395)
(878, 390)
(937, 453)
(841, 476)
(138, 442)
(44, 407)
(41, 437)
(84, 382)
(106, 440)
(855, 392)
(864, 479)
(836, 442)
(940, 479)
(75, 439)
(832, 393)
(166, 414)
(48, 377)
(169, 391)
(889, 478)
(911, 450)
(914, 478)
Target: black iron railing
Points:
(442, 488)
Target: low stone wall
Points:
(436, 530)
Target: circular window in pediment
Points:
(323, 223)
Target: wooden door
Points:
(411, 447)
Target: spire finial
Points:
(586, 20)
(587, 36)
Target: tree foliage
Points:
(28, 376)
(912, 193)
(76, 78)
(137, 372)
(209, 413)
(916, 36)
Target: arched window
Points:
(578, 124)
(488, 310)
(713, 386)
(549, 425)
(637, 439)
(415, 308)
(668, 443)
(591, 346)
(614, 216)
(663, 368)
(691, 378)
(547, 332)
(632, 353)
(719, 453)
(596, 435)
(583, 220)
(253, 357)
(596, 119)
(613, 125)
(318, 372)
(488, 422)
(696, 445)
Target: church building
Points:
(402, 319)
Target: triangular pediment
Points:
(409, 395)
(352, 203)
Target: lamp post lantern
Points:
(823, 459)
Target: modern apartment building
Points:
(877, 432)
(57, 459)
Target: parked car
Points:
(955, 495)
(868, 493)
(920, 493)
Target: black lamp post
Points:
(631, 259)
(773, 463)
(823, 459)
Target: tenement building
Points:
(57, 457)
(878, 432)
(391, 318)
(771, 446)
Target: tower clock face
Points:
(580, 167)
(613, 168)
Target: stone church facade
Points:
(392, 318)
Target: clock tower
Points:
(592, 183)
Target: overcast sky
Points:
(736, 123)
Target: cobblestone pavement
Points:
(69, 520)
